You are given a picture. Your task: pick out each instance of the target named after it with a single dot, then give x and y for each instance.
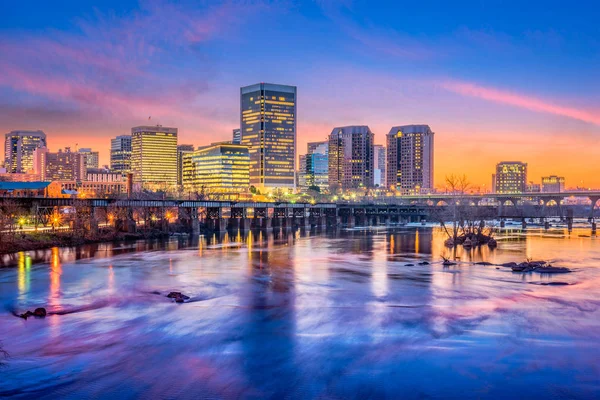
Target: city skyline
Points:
(494, 86)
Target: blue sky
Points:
(495, 80)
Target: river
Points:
(349, 314)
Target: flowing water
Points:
(351, 314)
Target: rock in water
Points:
(409, 265)
(40, 312)
(424, 263)
(509, 264)
(178, 296)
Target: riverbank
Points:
(46, 240)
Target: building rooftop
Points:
(23, 185)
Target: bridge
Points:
(126, 214)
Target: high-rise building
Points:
(268, 128)
(18, 150)
(154, 157)
(314, 166)
(379, 163)
(61, 166)
(120, 154)
(553, 184)
(351, 157)
(302, 175)
(221, 170)
(182, 149)
(511, 177)
(92, 158)
(410, 159)
(237, 136)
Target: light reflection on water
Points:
(338, 315)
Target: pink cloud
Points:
(518, 100)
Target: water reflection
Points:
(346, 314)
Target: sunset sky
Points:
(494, 80)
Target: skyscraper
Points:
(92, 158)
(314, 166)
(268, 128)
(120, 154)
(182, 149)
(237, 136)
(61, 166)
(154, 157)
(351, 157)
(18, 150)
(221, 170)
(379, 163)
(511, 177)
(410, 159)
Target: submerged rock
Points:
(409, 265)
(483, 263)
(178, 296)
(39, 312)
(447, 263)
(424, 263)
(509, 264)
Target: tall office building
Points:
(221, 170)
(92, 158)
(553, 184)
(511, 177)
(182, 149)
(120, 154)
(351, 157)
(237, 136)
(314, 166)
(18, 150)
(379, 158)
(410, 159)
(154, 157)
(60, 166)
(268, 128)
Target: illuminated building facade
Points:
(410, 159)
(61, 166)
(511, 177)
(553, 184)
(120, 154)
(314, 166)
(18, 150)
(350, 157)
(237, 136)
(220, 171)
(379, 163)
(154, 158)
(92, 158)
(268, 128)
(182, 149)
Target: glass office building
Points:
(154, 158)
(351, 157)
(221, 170)
(268, 128)
(314, 166)
(18, 150)
(410, 159)
(120, 154)
(511, 177)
